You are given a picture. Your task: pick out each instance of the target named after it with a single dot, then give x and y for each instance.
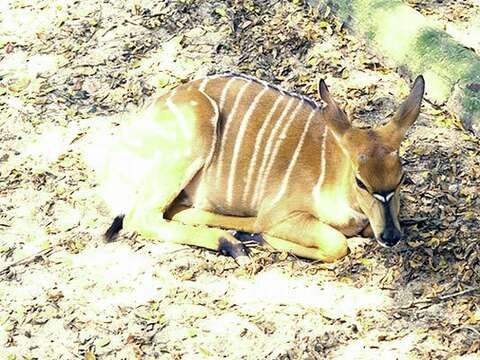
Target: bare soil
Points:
(70, 71)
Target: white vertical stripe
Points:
(288, 173)
(223, 96)
(278, 143)
(221, 105)
(321, 178)
(227, 125)
(258, 141)
(203, 84)
(238, 143)
(268, 147)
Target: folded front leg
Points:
(193, 216)
(304, 235)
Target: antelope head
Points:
(377, 173)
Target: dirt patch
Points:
(70, 71)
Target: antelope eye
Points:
(360, 184)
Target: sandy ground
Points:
(71, 71)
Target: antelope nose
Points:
(390, 237)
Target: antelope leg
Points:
(192, 216)
(153, 226)
(302, 235)
(305, 236)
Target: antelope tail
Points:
(114, 228)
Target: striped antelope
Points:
(233, 152)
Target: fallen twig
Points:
(458, 293)
(436, 299)
(168, 254)
(45, 252)
(466, 327)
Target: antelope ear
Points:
(335, 117)
(407, 113)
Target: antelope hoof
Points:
(249, 240)
(235, 249)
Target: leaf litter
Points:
(76, 70)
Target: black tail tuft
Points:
(114, 229)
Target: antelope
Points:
(229, 151)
